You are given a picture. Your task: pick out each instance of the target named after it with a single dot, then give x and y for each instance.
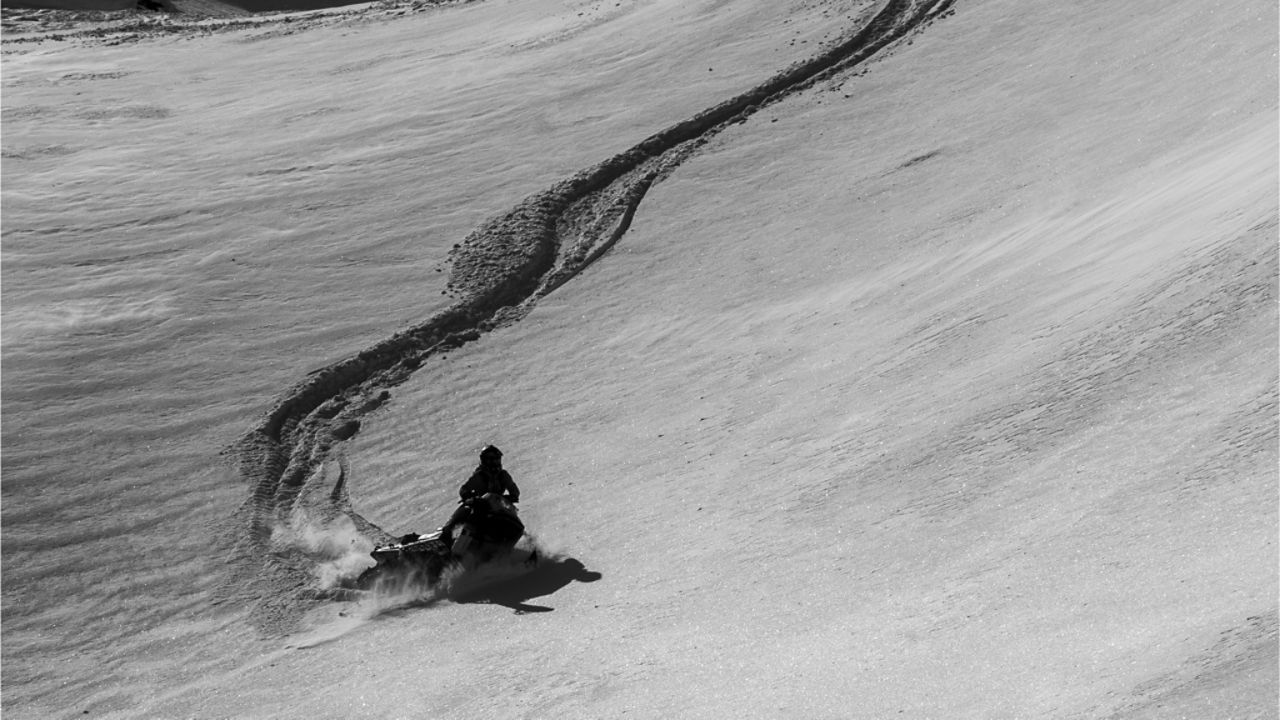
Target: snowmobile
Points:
(491, 527)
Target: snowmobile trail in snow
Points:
(292, 457)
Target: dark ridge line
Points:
(500, 270)
(138, 24)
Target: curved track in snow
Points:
(499, 272)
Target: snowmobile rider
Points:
(489, 477)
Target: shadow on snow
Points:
(549, 577)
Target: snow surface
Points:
(946, 387)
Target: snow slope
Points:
(945, 387)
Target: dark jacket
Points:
(484, 481)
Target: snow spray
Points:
(336, 549)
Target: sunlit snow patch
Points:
(105, 316)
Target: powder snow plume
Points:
(337, 549)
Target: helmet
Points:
(490, 451)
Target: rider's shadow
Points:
(547, 578)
